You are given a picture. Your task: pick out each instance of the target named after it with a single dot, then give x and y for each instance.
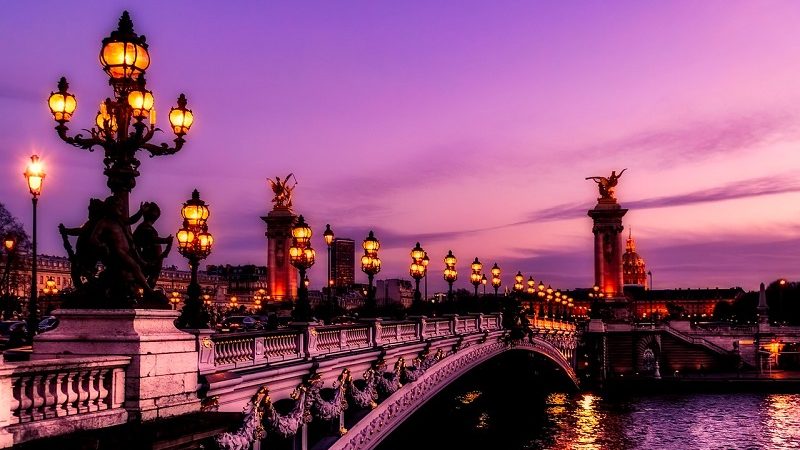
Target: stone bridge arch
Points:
(394, 410)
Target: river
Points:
(516, 402)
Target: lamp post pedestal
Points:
(194, 314)
(302, 308)
(161, 380)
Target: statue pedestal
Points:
(607, 227)
(282, 275)
(161, 380)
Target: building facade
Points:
(343, 265)
(634, 272)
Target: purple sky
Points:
(465, 125)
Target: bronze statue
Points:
(83, 260)
(608, 185)
(148, 243)
(131, 262)
(282, 190)
(122, 265)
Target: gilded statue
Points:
(608, 185)
(282, 190)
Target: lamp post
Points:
(496, 282)
(34, 175)
(484, 280)
(194, 243)
(175, 299)
(417, 270)
(125, 58)
(328, 236)
(540, 294)
(370, 265)
(475, 277)
(450, 273)
(425, 261)
(50, 290)
(531, 294)
(302, 257)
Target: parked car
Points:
(239, 323)
(13, 333)
(48, 323)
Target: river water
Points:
(514, 402)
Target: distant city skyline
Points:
(462, 125)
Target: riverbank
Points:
(775, 382)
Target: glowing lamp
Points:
(62, 104)
(141, 102)
(450, 260)
(9, 243)
(371, 244)
(124, 54)
(418, 254)
(34, 174)
(301, 232)
(195, 211)
(495, 270)
(476, 266)
(181, 118)
(328, 235)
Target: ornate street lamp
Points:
(496, 282)
(483, 282)
(450, 273)
(425, 261)
(475, 277)
(124, 125)
(417, 270)
(194, 243)
(370, 265)
(328, 236)
(207, 300)
(302, 257)
(531, 294)
(518, 279)
(233, 302)
(34, 175)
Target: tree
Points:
(13, 266)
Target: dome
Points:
(633, 267)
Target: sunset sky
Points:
(465, 125)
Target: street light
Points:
(34, 175)
(476, 277)
(302, 256)
(194, 243)
(370, 265)
(425, 261)
(518, 279)
(328, 236)
(483, 282)
(450, 273)
(175, 299)
(124, 125)
(496, 282)
(417, 270)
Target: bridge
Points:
(103, 369)
(368, 377)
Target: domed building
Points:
(633, 269)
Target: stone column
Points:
(607, 229)
(282, 276)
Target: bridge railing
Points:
(88, 391)
(238, 350)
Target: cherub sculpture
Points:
(148, 243)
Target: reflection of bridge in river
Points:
(404, 364)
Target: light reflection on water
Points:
(494, 410)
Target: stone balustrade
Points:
(50, 397)
(219, 352)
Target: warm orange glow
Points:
(495, 271)
(450, 275)
(181, 118)
(9, 243)
(371, 244)
(124, 59)
(34, 174)
(450, 259)
(185, 237)
(62, 105)
(418, 254)
(301, 232)
(328, 235)
(476, 266)
(141, 101)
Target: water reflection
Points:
(491, 410)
